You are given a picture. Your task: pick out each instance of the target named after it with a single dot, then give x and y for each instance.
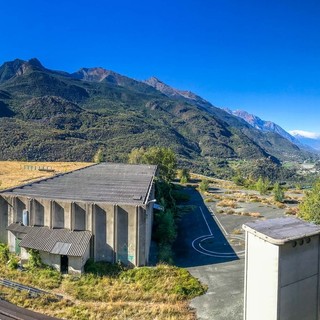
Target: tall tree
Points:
(164, 158)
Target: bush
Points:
(183, 175)
(262, 185)
(278, 192)
(4, 253)
(13, 263)
(178, 280)
(103, 268)
(34, 259)
(165, 253)
(204, 185)
(165, 231)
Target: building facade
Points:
(103, 211)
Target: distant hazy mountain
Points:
(310, 139)
(269, 126)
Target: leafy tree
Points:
(262, 185)
(183, 175)
(309, 208)
(204, 185)
(163, 157)
(136, 155)
(278, 192)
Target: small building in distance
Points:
(103, 211)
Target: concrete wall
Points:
(298, 270)
(103, 230)
(120, 232)
(261, 281)
(52, 260)
(76, 264)
(281, 281)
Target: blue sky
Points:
(260, 56)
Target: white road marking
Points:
(196, 243)
(206, 221)
(219, 223)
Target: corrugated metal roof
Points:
(281, 230)
(55, 241)
(105, 182)
(61, 248)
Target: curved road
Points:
(9, 311)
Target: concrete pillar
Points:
(72, 216)
(114, 232)
(4, 211)
(137, 244)
(49, 215)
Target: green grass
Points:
(108, 291)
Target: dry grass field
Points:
(13, 173)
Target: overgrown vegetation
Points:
(108, 291)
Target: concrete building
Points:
(103, 211)
(282, 270)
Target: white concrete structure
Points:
(282, 270)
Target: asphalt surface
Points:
(208, 246)
(214, 256)
(9, 311)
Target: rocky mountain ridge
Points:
(55, 115)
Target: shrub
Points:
(204, 185)
(262, 185)
(103, 268)
(13, 262)
(4, 253)
(183, 175)
(278, 192)
(227, 203)
(34, 259)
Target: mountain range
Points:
(310, 139)
(304, 142)
(55, 115)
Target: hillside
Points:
(52, 115)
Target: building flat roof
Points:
(281, 230)
(55, 241)
(105, 182)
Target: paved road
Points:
(215, 257)
(9, 311)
